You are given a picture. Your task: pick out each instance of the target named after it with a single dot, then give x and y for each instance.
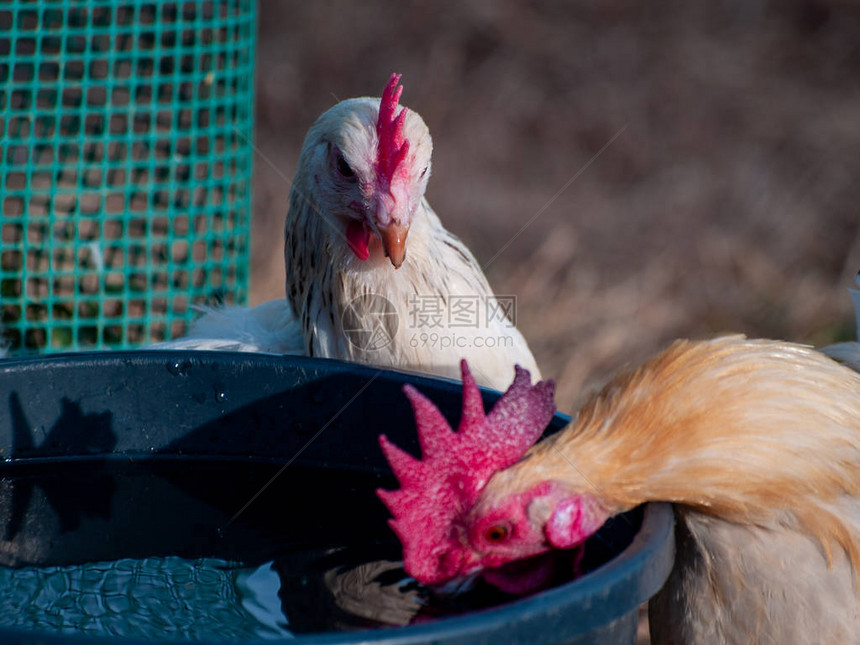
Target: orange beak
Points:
(394, 242)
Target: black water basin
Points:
(230, 497)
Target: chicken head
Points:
(371, 178)
(442, 540)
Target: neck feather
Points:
(324, 277)
(755, 432)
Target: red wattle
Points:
(358, 238)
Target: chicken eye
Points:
(497, 533)
(424, 172)
(343, 168)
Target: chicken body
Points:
(333, 291)
(756, 442)
(357, 289)
(737, 583)
(270, 328)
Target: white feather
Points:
(324, 277)
(268, 328)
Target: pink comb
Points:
(392, 149)
(443, 485)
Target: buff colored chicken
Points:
(756, 442)
(372, 275)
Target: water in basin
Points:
(192, 549)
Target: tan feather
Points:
(752, 431)
(757, 442)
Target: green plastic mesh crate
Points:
(125, 175)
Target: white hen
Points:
(357, 194)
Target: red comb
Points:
(443, 485)
(392, 149)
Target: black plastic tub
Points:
(171, 458)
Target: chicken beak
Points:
(393, 238)
(457, 586)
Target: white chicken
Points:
(357, 194)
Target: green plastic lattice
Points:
(125, 176)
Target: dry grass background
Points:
(729, 203)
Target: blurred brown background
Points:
(727, 203)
